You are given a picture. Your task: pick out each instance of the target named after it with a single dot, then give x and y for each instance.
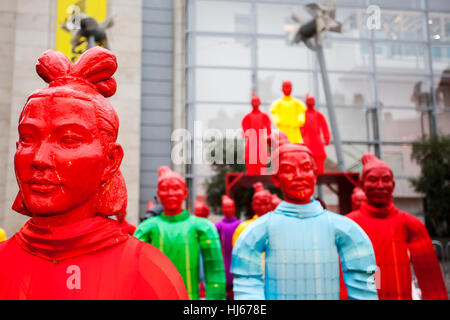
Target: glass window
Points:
(354, 23)
(203, 169)
(443, 121)
(439, 5)
(221, 116)
(441, 59)
(353, 122)
(352, 154)
(269, 84)
(442, 89)
(351, 2)
(406, 198)
(348, 89)
(403, 25)
(223, 51)
(223, 85)
(403, 125)
(277, 19)
(439, 26)
(216, 16)
(397, 57)
(407, 4)
(347, 56)
(398, 157)
(273, 18)
(278, 53)
(215, 148)
(403, 91)
(200, 187)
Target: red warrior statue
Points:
(315, 132)
(201, 210)
(262, 202)
(358, 197)
(398, 238)
(256, 127)
(67, 168)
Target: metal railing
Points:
(444, 254)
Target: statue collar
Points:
(70, 241)
(379, 213)
(229, 220)
(183, 215)
(312, 209)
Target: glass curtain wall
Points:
(389, 72)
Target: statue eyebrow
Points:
(62, 126)
(27, 125)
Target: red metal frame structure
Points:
(345, 182)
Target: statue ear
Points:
(185, 193)
(112, 195)
(275, 180)
(114, 156)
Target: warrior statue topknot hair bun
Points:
(94, 67)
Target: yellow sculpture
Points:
(288, 114)
(2, 235)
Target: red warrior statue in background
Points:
(201, 210)
(315, 132)
(262, 202)
(394, 234)
(358, 197)
(256, 127)
(67, 168)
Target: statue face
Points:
(228, 209)
(59, 161)
(310, 102)
(357, 200)
(256, 102)
(172, 193)
(262, 204)
(378, 185)
(287, 88)
(296, 177)
(200, 210)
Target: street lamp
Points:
(311, 33)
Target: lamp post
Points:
(311, 33)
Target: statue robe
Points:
(90, 259)
(302, 245)
(399, 238)
(181, 237)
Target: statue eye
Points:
(287, 168)
(71, 140)
(26, 139)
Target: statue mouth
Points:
(43, 185)
(299, 186)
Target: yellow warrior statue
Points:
(288, 114)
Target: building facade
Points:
(193, 64)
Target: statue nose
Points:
(43, 158)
